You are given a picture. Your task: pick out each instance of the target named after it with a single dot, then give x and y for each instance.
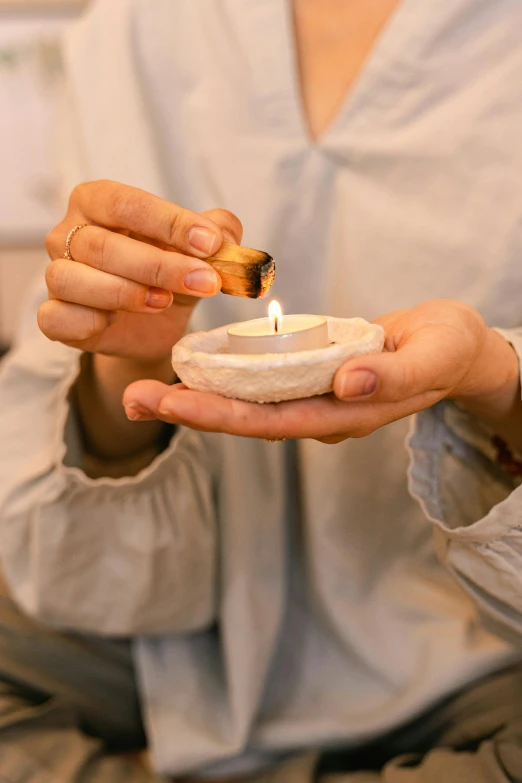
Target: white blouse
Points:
(283, 596)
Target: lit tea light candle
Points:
(278, 334)
(275, 315)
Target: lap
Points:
(92, 676)
(474, 736)
(67, 703)
(497, 759)
(68, 700)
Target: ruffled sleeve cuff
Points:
(115, 556)
(475, 505)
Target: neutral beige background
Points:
(40, 4)
(22, 255)
(18, 271)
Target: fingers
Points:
(429, 350)
(310, 418)
(118, 206)
(322, 418)
(212, 413)
(228, 222)
(116, 254)
(71, 323)
(430, 362)
(143, 398)
(83, 285)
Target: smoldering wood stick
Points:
(243, 271)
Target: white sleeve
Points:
(475, 505)
(129, 556)
(135, 555)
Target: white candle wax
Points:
(294, 333)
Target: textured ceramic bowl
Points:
(203, 362)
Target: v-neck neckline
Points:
(383, 49)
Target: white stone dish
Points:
(202, 362)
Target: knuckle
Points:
(75, 195)
(121, 208)
(233, 222)
(174, 225)
(44, 320)
(156, 272)
(78, 194)
(86, 188)
(473, 321)
(58, 278)
(52, 242)
(95, 324)
(117, 205)
(101, 185)
(97, 247)
(54, 276)
(227, 221)
(119, 295)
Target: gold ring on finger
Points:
(67, 255)
(274, 440)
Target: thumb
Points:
(427, 362)
(229, 224)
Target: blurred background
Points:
(29, 81)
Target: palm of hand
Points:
(430, 354)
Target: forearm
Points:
(115, 446)
(492, 390)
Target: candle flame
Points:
(275, 314)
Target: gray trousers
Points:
(69, 706)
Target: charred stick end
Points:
(243, 271)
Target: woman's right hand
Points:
(138, 271)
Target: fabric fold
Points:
(135, 555)
(475, 505)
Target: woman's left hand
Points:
(441, 348)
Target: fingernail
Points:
(358, 383)
(158, 298)
(202, 281)
(137, 412)
(203, 239)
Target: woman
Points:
(274, 601)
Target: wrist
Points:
(491, 387)
(127, 370)
(113, 445)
